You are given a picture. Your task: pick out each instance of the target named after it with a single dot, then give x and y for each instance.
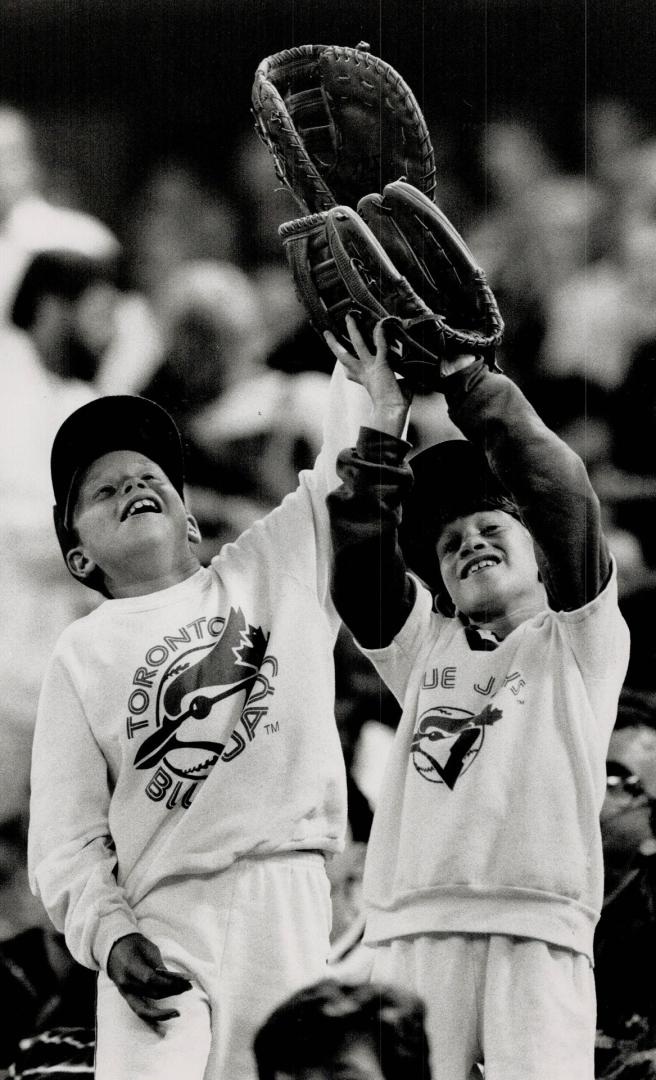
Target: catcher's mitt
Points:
(400, 260)
(339, 123)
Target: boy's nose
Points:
(132, 483)
(471, 543)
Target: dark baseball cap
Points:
(114, 422)
(452, 479)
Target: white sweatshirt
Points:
(180, 730)
(488, 816)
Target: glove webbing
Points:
(293, 161)
(318, 282)
(310, 115)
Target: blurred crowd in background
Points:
(190, 303)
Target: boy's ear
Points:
(193, 531)
(79, 563)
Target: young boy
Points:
(187, 775)
(483, 880)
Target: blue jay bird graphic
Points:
(230, 667)
(460, 729)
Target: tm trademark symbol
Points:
(270, 728)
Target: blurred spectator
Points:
(32, 225)
(634, 444)
(612, 133)
(29, 223)
(248, 428)
(264, 203)
(212, 339)
(599, 316)
(584, 414)
(66, 304)
(625, 941)
(332, 1029)
(634, 451)
(534, 233)
(514, 160)
(41, 988)
(55, 1054)
(62, 316)
(638, 609)
(293, 344)
(56, 304)
(176, 217)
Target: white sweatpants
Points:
(247, 937)
(524, 1007)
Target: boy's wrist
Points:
(390, 419)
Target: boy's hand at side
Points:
(390, 397)
(135, 966)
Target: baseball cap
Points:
(451, 479)
(114, 422)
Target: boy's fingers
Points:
(163, 983)
(380, 340)
(348, 362)
(155, 982)
(338, 350)
(359, 344)
(148, 1011)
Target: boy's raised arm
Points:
(549, 482)
(370, 588)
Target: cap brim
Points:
(115, 422)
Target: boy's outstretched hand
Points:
(390, 397)
(135, 966)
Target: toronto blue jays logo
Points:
(447, 740)
(210, 698)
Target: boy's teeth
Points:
(481, 565)
(139, 504)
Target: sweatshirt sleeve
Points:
(547, 479)
(370, 588)
(71, 858)
(295, 537)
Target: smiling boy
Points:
(187, 777)
(477, 579)
(132, 523)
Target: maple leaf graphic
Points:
(251, 651)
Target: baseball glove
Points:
(339, 123)
(398, 260)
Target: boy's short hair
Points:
(308, 1028)
(114, 422)
(452, 479)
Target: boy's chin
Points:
(486, 609)
(477, 598)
